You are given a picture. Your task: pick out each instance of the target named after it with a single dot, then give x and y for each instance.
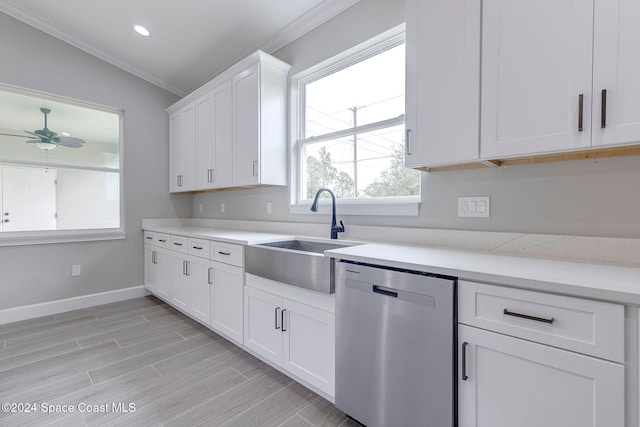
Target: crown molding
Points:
(296, 29)
(45, 26)
(307, 22)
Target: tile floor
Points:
(142, 363)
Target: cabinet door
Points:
(616, 67)
(200, 298)
(513, 382)
(309, 345)
(226, 300)
(214, 136)
(246, 126)
(443, 81)
(263, 324)
(180, 282)
(182, 140)
(163, 278)
(536, 76)
(150, 268)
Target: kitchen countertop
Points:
(603, 282)
(220, 235)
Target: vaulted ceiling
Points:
(191, 40)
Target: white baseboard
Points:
(32, 311)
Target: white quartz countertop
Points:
(221, 235)
(598, 281)
(606, 282)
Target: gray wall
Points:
(586, 197)
(39, 273)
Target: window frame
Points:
(402, 205)
(37, 237)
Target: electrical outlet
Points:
(201, 208)
(474, 207)
(222, 207)
(269, 206)
(76, 270)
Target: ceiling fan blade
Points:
(70, 144)
(33, 134)
(63, 140)
(18, 136)
(33, 141)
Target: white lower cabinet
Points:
(190, 288)
(518, 360)
(157, 270)
(227, 282)
(295, 336)
(512, 382)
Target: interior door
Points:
(28, 198)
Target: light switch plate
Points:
(474, 207)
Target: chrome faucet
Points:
(335, 228)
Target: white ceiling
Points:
(191, 41)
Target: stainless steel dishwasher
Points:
(395, 346)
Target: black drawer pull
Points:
(224, 253)
(148, 237)
(177, 244)
(198, 248)
(526, 316)
(161, 240)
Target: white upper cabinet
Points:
(536, 76)
(182, 137)
(498, 80)
(260, 124)
(214, 136)
(442, 82)
(616, 67)
(235, 132)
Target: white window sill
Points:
(24, 238)
(361, 207)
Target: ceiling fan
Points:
(47, 139)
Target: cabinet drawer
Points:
(586, 326)
(180, 244)
(199, 247)
(228, 253)
(156, 239)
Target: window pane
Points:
(367, 92)
(20, 113)
(369, 164)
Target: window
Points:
(60, 169)
(350, 134)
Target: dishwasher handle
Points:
(384, 291)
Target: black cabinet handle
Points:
(224, 253)
(276, 317)
(580, 111)
(603, 110)
(464, 361)
(282, 319)
(528, 317)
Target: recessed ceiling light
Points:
(141, 30)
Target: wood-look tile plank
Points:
(296, 421)
(276, 408)
(128, 334)
(115, 308)
(186, 361)
(213, 412)
(156, 355)
(72, 332)
(154, 411)
(34, 356)
(322, 413)
(40, 330)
